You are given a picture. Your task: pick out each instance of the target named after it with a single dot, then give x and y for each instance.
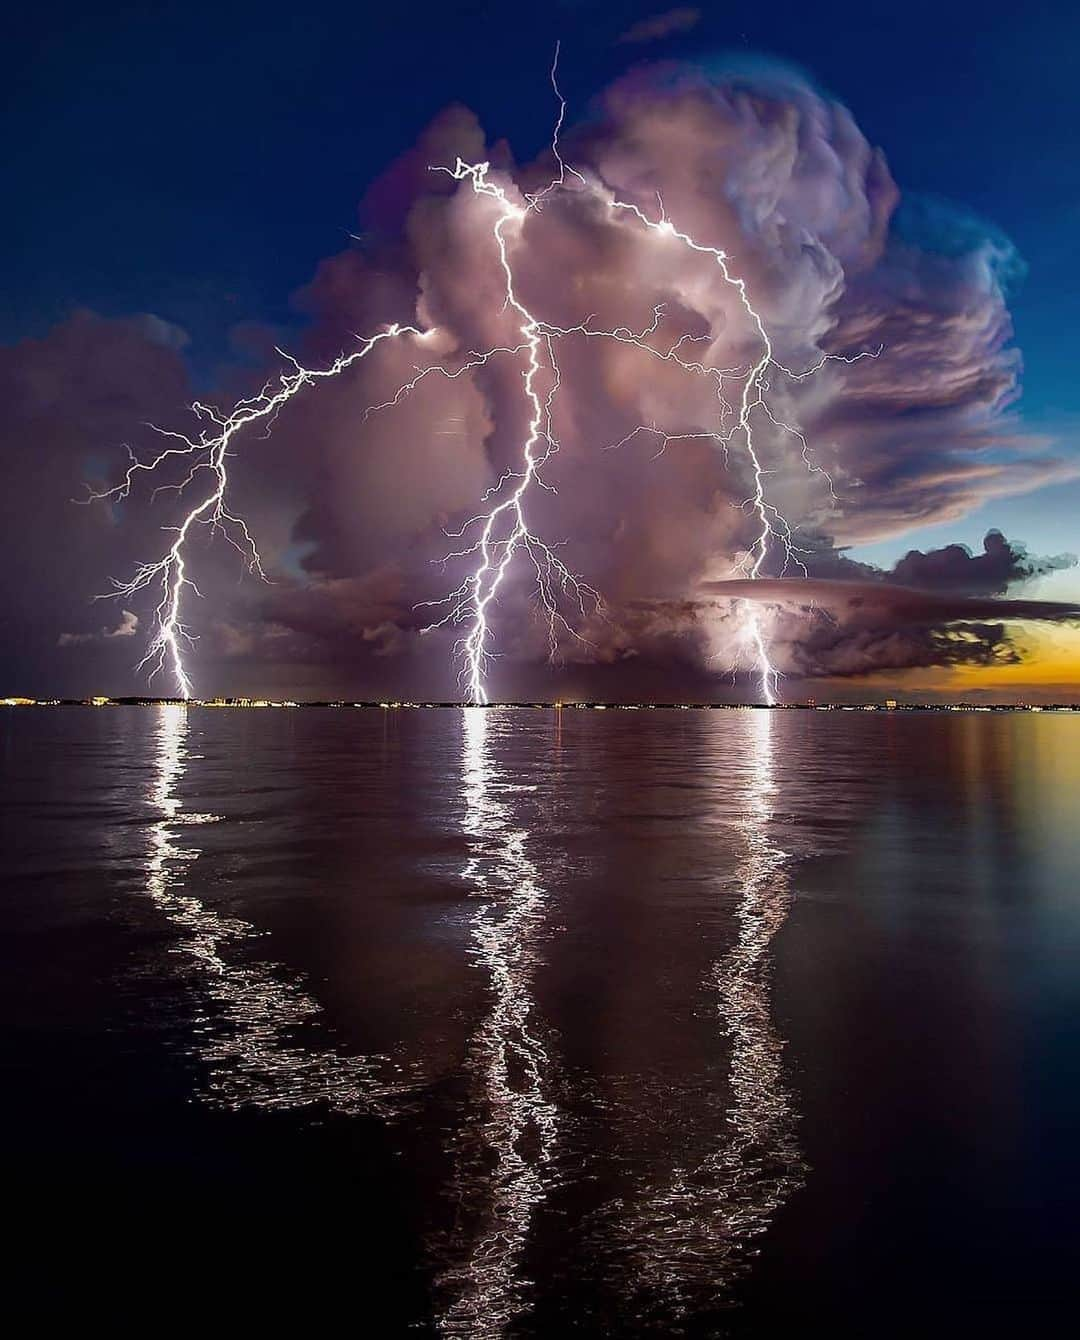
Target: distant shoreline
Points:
(265, 703)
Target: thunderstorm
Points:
(500, 530)
(540, 721)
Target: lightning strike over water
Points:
(773, 528)
(471, 601)
(210, 452)
(496, 535)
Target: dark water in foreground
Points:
(533, 1024)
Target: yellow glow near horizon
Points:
(1050, 668)
(1051, 656)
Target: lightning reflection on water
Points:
(682, 1240)
(688, 1241)
(502, 1178)
(249, 1032)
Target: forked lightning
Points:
(497, 533)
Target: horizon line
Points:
(239, 702)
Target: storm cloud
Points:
(352, 509)
(874, 620)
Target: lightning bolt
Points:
(774, 531)
(503, 529)
(750, 399)
(495, 536)
(773, 527)
(207, 455)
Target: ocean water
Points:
(535, 1023)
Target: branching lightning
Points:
(503, 529)
(773, 528)
(494, 536)
(471, 601)
(209, 453)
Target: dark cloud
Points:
(885, 600)
(352, 510)
(953, 568)
(857, 627)
(69, 403)
(941, 607)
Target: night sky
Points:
(198, 163)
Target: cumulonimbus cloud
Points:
(353, 509)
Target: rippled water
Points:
(527, 1023)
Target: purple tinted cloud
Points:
(352, 510)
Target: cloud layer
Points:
(352, 509)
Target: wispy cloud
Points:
(667, 24)
(127, 627)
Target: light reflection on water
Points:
(686, 1234)
(501, 1183)
(249, 1038)
(683, 1239)
(557, 971)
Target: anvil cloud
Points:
(351, 509)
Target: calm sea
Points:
(538, 1023)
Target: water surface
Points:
(533, 1023)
